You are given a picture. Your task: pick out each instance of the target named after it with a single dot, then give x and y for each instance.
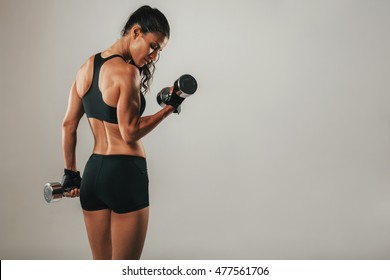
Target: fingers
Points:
(73, 193)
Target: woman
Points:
(114, 189)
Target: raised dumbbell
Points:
(184, 87)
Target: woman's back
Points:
(97, 85)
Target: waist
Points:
(94, 155)
(119, 148)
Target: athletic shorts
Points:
(116, 182)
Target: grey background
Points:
(283, 153)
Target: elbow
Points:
(69, 125)
(131, 136)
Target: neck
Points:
(120, 47)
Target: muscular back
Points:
(108, 138)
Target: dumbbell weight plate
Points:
(187, 85)
(163, 96)
(52, 192)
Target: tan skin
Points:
(112, 235)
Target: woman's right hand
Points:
(71, 183)
(75, 192)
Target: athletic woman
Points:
(109, 89)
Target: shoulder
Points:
(123, 74)
(86, 66)
(84, 76)
(125, 71)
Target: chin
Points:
(137, 64)
(141, 64)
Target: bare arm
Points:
(131, 126)
(69, 128)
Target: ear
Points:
(135, 31)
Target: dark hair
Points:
(150, 20)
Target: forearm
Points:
(69, 140)
(148, 123)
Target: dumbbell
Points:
(53, 192)
(184, 87)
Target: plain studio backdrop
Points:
(282, 153)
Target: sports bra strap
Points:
(110, 57)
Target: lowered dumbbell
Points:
(53, 192)
(183, 87)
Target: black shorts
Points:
(116, 182)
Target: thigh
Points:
(98, 225)
(128, 232)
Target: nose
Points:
(155, 56)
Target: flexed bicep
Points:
(128, 108)
(131, 125)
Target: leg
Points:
(128, 232)
(99, 234)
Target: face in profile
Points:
(146, 47)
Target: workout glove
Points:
(175, 101)
(70, 180)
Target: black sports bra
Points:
(93, 103)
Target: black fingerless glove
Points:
(175, 101)
(70, 180)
